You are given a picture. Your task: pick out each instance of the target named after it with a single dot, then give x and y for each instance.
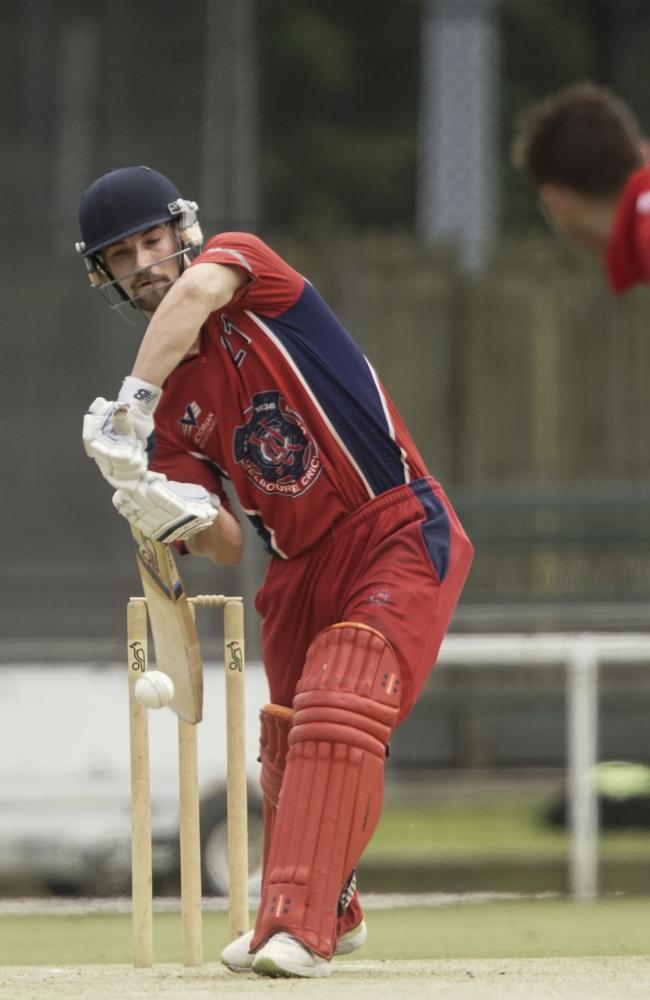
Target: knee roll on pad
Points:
(349, 690)
(346, 705)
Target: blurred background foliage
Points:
(345, 108)
(339, 92)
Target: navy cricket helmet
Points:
(122, 202)
(125, 201)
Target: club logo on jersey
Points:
(190, 418)
(275, 448)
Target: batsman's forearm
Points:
(175, 325)
(221, 542)
(172, 330)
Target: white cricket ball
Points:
(154, 689)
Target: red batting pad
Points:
(346, 706)
(275, 721)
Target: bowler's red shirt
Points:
(628, 250)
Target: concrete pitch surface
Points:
(485, 979)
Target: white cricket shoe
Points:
(353, 940)
(283, 955)
(237, 957)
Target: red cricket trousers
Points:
(398, 564)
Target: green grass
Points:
(513, 929)
(451, 830)
(496, 930)
(444, 831)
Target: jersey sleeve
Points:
(642, 240)
(273, 285)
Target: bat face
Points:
(155, 560)
(176, 643)
(178, 652)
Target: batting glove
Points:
(121, 456)
(142, 399)
(122, 459)
(165, 510)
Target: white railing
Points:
(581, 653)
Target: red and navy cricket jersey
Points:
(628, 250)
(281, 401)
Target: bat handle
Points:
(122, 421)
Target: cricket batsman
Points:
(244, 375)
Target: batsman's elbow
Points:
(222, 542)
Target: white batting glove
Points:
(122, 459)
(142, 399)
(165, 510)
(121, 455)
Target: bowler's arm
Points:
(175, 325)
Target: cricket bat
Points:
(175, 639)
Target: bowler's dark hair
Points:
(583, 137)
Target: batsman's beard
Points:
(150, 294)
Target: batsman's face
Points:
(146, 265)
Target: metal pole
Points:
(457, 183)
(229, 186)
(73, 157)
(582, 746)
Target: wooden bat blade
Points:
(176, 642)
